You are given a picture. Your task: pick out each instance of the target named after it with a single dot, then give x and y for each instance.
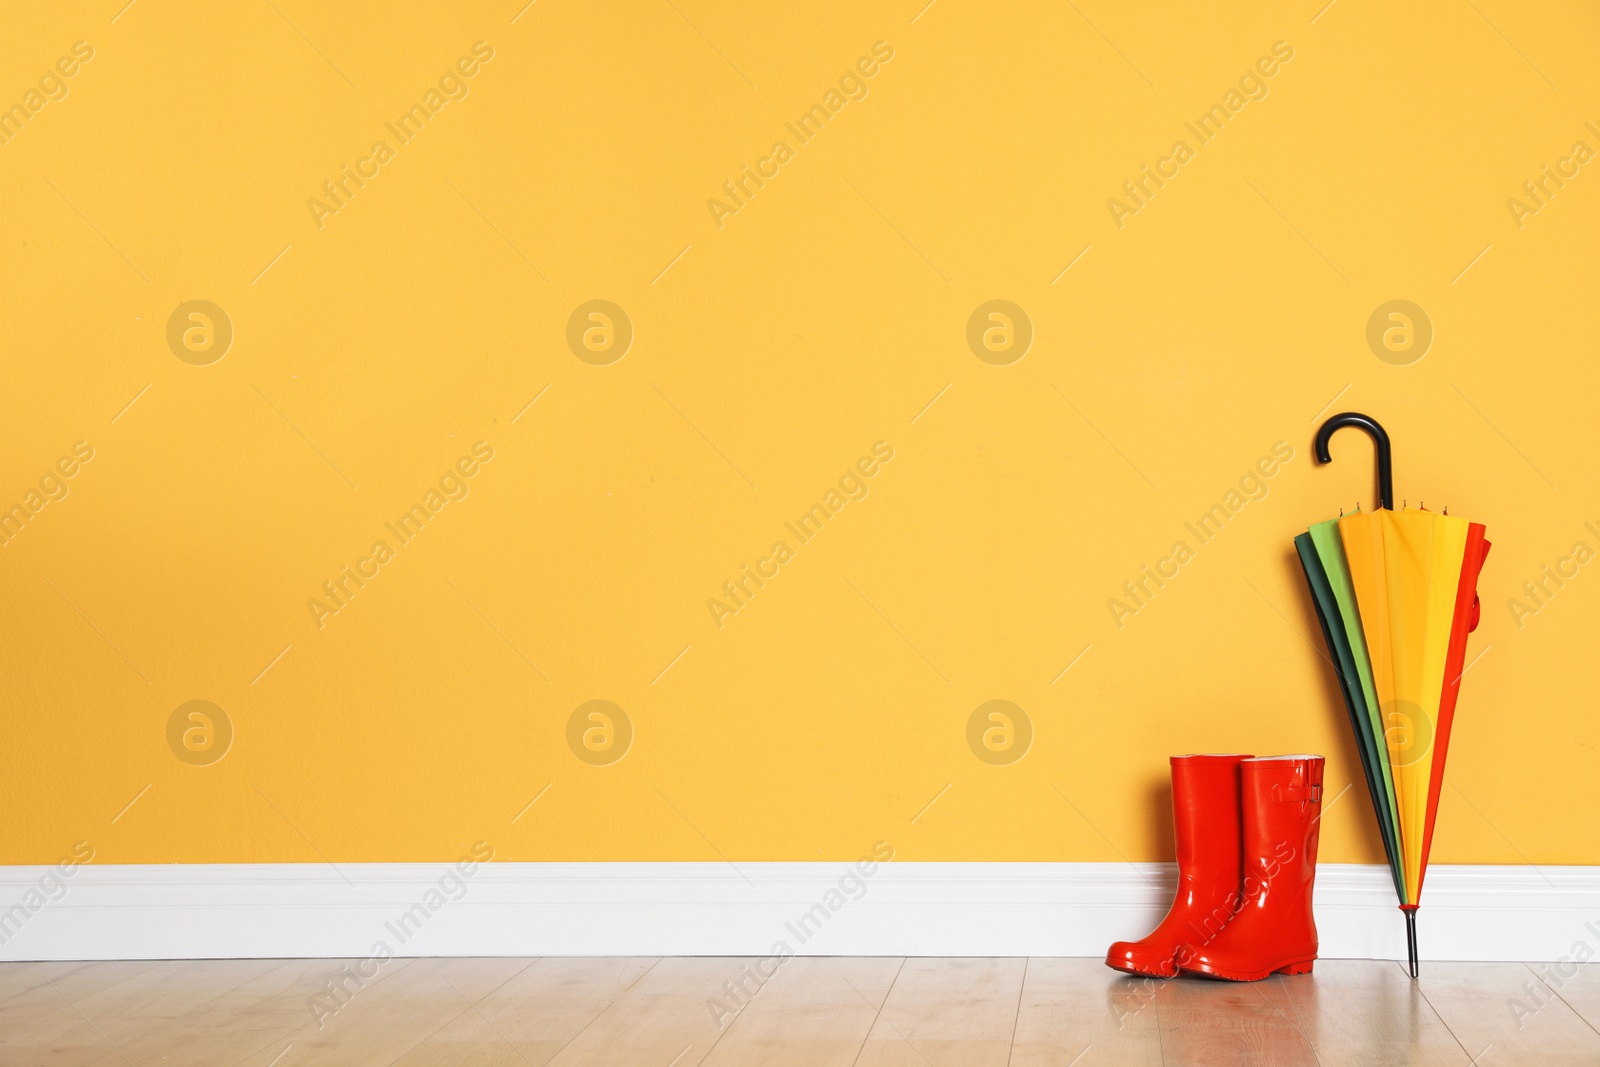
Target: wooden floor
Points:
(678, 1012)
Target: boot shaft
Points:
(1207, 815)
(1282, 809)
(1282, 798)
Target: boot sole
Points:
(1142, 971)
(1296, 967)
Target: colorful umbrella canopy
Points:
(1396, 594)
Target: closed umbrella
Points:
(1396, 595)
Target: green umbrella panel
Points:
(1322, 557)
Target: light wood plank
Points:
(31, 999)
(1480, 1002)
(814, 1011)
(668, 1016)
(182, 1012)
(76, 981)
(1576, 983)
(1082, 1008)
(948, 1011)
(533, 1016)
(1362, 1013)
(55, 1035)
(261, 1014)
(47, 1014)
(394, 1014)
(18, 978)
(1207, 1022)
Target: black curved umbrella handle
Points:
(1380, 439)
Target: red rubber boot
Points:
(1206, 820)
(1274, 932)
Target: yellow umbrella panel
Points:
(1406, 569)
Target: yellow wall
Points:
(773, 347)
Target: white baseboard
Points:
(651, 909)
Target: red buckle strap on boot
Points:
(1273, 932)
(1206, 821)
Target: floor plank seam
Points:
(877, 1011)
(1569, 1005)
(1471, 1059)
(1011, 1048)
